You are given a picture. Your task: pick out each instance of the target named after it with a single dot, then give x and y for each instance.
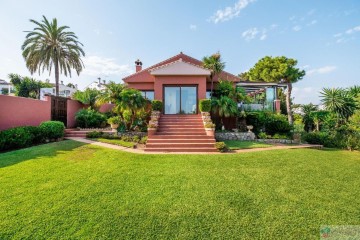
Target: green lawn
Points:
(233, 144)
(70, 190)
(118, 142)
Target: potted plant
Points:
(114, 123)
(209, 128)
(152, 128)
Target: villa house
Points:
(179, 82)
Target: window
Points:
(208, 94)
(148, 95)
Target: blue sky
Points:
(322, 34)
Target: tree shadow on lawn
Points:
(32, 153)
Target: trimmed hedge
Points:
(89, 118)
(21, 137)
(269, 123)
(205, 105)
(157, 105)
(52, 129)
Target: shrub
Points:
(89, 118)
(20, 137)
(205, 105)
(143, 140)
(262, 135)
(114, 120)
(157, 105)
(209, 125)
(277, 123)
(94, 134)
(52, 129)
(279, 136)
(321, 138)
(221, 146)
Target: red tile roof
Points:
(145, 76)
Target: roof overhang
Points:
(180, 68)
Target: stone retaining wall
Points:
(243, 136)
(272, 141)
(132, 134)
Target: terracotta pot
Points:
(151, 131)
(210, 131)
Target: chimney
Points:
(138, 65)
(99, 80)
(62, 82)
(104, 81)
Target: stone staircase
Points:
(180, 133)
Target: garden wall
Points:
(106, 107)
(242, 136)
(19, 111)
(73, 106)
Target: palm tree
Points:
(112, 93)
(224, 106)
(215, 65)
(339, 101)
(308, 120)
(131, 102)
(51, 46)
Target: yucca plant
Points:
(50, 46)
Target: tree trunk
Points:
(56, 77)
(288, 103)
(212, 84)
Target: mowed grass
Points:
(69, 190)
(118, 142)
(233, 144)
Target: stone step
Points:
(181, 140)
(185, 150)
(180, 136)
(181, 133)
(179, 145)
(75, 135)
(188, 130)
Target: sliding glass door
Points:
(180, 99)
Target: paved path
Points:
(132, 150)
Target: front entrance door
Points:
(180, 99)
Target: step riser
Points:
(180, 133)
(181, 141)
(180, 137)
(180, 145)
(180, 150)
(181, 130)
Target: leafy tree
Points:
(26, 86)
(244, 76)
(51, 46)
(318, 118)
(131, 102)
(88, 97)
(308, 120)
(278, 69)
(215, 65)
(340, 102)
(71, 85)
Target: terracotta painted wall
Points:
(142, 86)
(18, 111)
(73, 106)
(180, 80)
(106, 107)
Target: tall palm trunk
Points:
(56, 77)
(288, 103)
(212, 86)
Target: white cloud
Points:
(338, 35)
(292, 18)
(96, 31)
(322, 70)
(193, 27)
(313, 22)
(99, 66)
(297, 28)
(311, 12)
(250, 34)
(353, 30)
(228, 13)
(263, 36)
